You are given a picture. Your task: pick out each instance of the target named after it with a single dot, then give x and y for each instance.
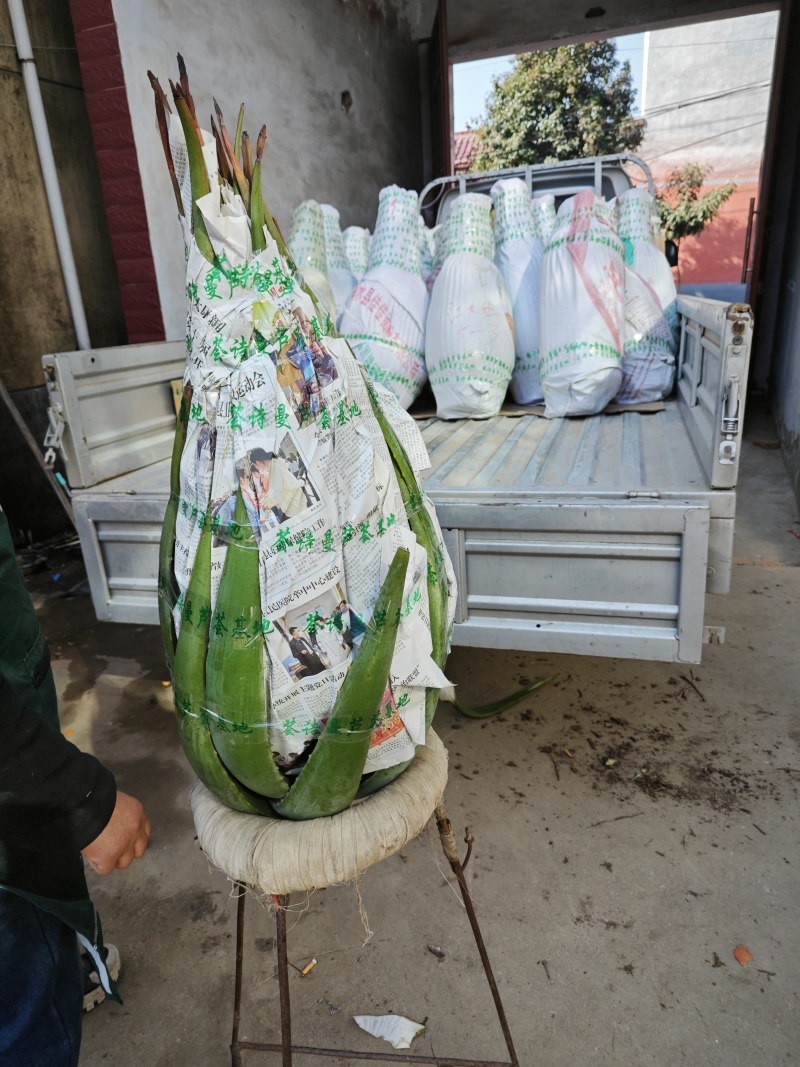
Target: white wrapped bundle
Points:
(384, 319)
(519, 257)
(469, 346)
(341, 278)
(356, 248)
(651, 310)
(544, 216)
(635, 210)
(307, 245)
(648, 358)
(582, 305)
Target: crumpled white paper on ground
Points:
(395, 1029)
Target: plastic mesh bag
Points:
(341, 279)
(582, 310)
(635, 213)
(307, 245)
(384, 319)
(544, 216)
(648, 358)
(470, 339)
(356, 247)
(519, 257)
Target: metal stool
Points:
(272, 857)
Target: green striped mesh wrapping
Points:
(356, 246)
(307, 236)
(469, 226)
(635, 211)
(544, 216)
(395, 242)
(334, 243)
(513, 214)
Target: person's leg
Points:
(40, 987)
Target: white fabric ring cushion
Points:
(280, 856)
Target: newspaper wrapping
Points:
(307, 245)
(581, 310)
(341, 279)
(281, 412)
(384, 319)
(470, 338)
(519, 257)
(356, 248)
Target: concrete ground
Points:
(634, 823)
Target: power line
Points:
(713, 137)
(676, 105)
(696, 44)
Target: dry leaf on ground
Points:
(743, 955)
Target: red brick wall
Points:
(117, 162)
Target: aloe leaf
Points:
(198, 175)
(162, 107)
(485, 711)
(237, 140)
(190, 691)
(257, 215)
(329, 781)
(242, 184)
(167, 585)
(236, 682)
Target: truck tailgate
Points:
(587, 536)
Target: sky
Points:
(473, 81)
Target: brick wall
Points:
(118, 165)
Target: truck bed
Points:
(598, 535)
(599, 455)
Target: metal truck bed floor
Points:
(599, 456)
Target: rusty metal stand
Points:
(286, 1048)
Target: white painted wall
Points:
(289, 62)
(711, 59)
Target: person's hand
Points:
(123, 840)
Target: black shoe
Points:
(93, 992)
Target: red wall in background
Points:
(118, 165)
(716, 255)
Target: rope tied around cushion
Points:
(280, 857)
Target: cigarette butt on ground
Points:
(309, 967)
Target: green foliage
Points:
(682, 209)
(566, 103)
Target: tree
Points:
(566, 103)
(683, 211)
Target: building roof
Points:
(465, 148)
